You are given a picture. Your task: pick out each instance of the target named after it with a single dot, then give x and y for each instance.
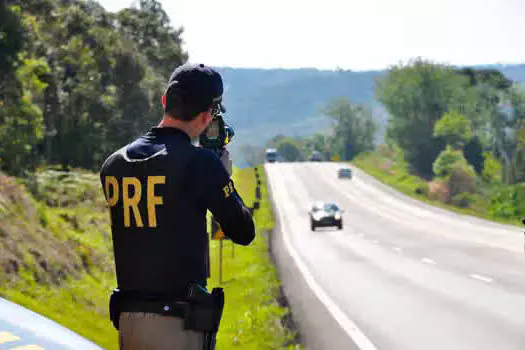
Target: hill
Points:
(262, 103)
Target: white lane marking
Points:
(361, 234)
(505, 237)
(350, 327)
(428, 261)
(481, 278)
(6, 337)
(374, 241)
(397, 249)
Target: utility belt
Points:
(201, 310)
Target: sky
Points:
(352, 35)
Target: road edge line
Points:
(349, 326)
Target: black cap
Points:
(197, 85)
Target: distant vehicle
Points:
(324, 214)
(271, 155)
(344, 173)
(316, 156)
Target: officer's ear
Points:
(206, 117)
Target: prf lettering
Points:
(129, 203)
(228, 189)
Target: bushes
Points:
(462, 179)
(508, 201)
(492, 169)
(422, 189)
(463, 199)
(438, 190)
(454, 173)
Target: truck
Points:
(271, 155)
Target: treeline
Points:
(433, 107)
(352, 132)
(462, 130)
(76, 81)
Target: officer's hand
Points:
(226, 161)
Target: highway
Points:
(22, 329)
(400, 275)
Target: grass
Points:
(252, 315)
(58, 239)
(79, 304)
(392, 170)
(63, 252)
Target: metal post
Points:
(220, 261)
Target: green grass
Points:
(392, 170)
(79, 304)
(252, 315)
(69, 227)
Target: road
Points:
(22, 329)
(400, 275)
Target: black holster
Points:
(204, 310)
(114, 307)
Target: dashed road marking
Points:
(428, 261)
(6, 337)
(374, 241)
(481, 278)
(28, 347)
(397, 249)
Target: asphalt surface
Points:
(22, 329)
(400, 275)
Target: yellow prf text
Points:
(130, 203)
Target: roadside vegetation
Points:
(56, 259)
(455, 137)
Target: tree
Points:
(446, 160)
(454, 128)
(289, 149)
(12, 37)
(76, 82)
(253, 155)
(149, 26)
(20, 131)
(416, 96)
(452, 166)
(506, 121)
(354, 128)
(491, 169)
(319, 143)
(473, 152)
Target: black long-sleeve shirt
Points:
(159, 188)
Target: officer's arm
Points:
(221, 198)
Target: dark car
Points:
(271, 155)
(324, 214)
(344, 173)
(316, 157)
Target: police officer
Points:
(159, 188)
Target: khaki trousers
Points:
(147, 331)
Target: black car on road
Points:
(324, 214)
